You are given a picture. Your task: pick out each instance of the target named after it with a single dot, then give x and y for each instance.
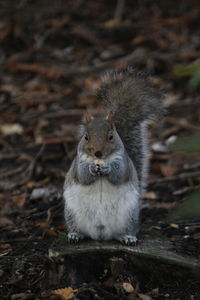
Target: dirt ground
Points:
(52, 55)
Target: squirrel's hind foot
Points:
(74, 237)
(129, 240)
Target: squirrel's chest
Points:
(101, 209)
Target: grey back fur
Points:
(134, 102)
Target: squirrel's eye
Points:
(110, 137)
(86, 137)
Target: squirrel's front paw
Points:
(129, 240)
(94, 169)
(105, 169)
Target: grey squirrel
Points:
(106, 180)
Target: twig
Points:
(177, 177)
(186, 190)
(57, 140)
(119, 11)
(43, 99)
(32, 165)
(19, 240)
(12, 172)
(54, 115)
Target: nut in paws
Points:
(105, 169)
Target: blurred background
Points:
(52, 56)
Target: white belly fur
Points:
(101, 210)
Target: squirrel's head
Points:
(99, 136)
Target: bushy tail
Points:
(133, 102)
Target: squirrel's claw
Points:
(129, 240)
(94, 169)
(105, 169)
(74, 237)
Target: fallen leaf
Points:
(66, 293)
(5, 253)
(61, 227)
(10, 129)
(113, 23)
(35, 184)
(139, 39)
(48, 72)
(86, 100)
(51, 232)
(155, 292)
(31, 184)
(191, 229)
(174, 225)
(44, 192)
(169, 170)
(42, 224)
(159, 148)
(165, 205)
(58, 23)
(5, 221)
(5, 246)
(19, 200)
(92, 84)
(128, 287)
(144, 297)
(150, 196)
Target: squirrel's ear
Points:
(109, 117)
(87, 117)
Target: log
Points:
(88, 260)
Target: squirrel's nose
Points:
(98, 154)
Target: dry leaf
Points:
(92, 84)
(178, 162)
(5, 253)
(66, 293)
(42, 224)
(61, 227)
(128, 287)
(169, 170)
(31, 184)
(174, 225)
(144, 297)
(155, 291)
(9, 129)
(43, 192)
(139, 39)
(165, 205)
(86, 100)
(5, 246)
(113, 23)
(5, 221)
(51, 232)
(19, 200)
(159, 148)
(150, 196)
(48, 72)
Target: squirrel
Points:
(107, 178)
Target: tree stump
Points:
(91, 260)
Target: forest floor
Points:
(52, 58)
